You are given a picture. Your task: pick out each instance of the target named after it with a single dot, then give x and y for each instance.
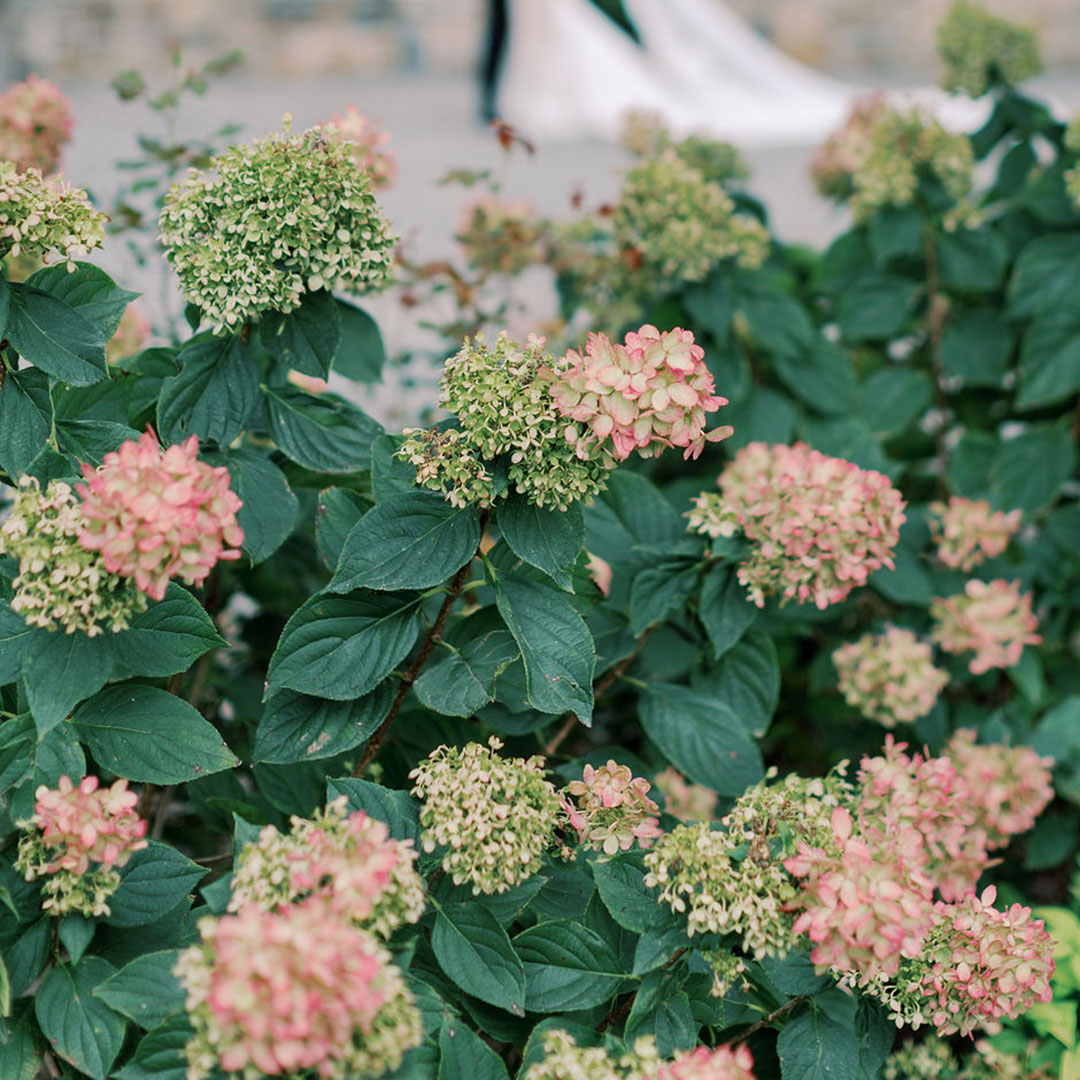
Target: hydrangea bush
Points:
(546, 741)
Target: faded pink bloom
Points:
(368, 146)
(613, 809)
(818, 526)
(992, 619)
(835, 161)
(647, 394)
(85, 823)
(311, 383)
(705, 1063)
(967, 531)
(130, 337)
(601, 573)
(35, 120)
(1007, 786)
(889, 677)
(686, 801)
(157, 514)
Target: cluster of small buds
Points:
(278, 992)
(967, 531)
(494, 816)
(501, 237)
(705, 1063)
(685, 800)
(1072, 176)
(130, 337)
(346, 861)
(992, 619)
(272, 220)
(835, 161)
(651, 392)
(42, 217)
(671, 225)
(35, 121)
(1007, 787)
(367, 145)
(564, 1060)
(80, 834)
(889, 677)
(732, 880)
(932, 1059)
(645, 134)
(979, 49)
(613, 809)
(445, 462)
(60, 583)
(818, 526)
(155, 514)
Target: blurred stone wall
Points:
(86, 38)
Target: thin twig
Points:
(766, 1021)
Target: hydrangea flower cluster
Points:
(41, 217)
(76, 826)
(992, 619)
(367, 144)
(968, 531)
(155, 514)
(274, 993)
(272, 220)
(835, 161)
(651, 392)
(932, 1059)
(494, 815)
(35, 121)
(889, 677)
(818, 526)
(1007, 787)
(60, 583)
(612, 809)
(501, 237)
(685, 800)
(979, 49)
(1072, 176)
(707, 1063)
(645, 134)
(346, 861)
(131, 336)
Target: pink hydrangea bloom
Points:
(705, 1063)
(992, 619)
(1007, 786)
(35, 121)
(967, 531)
(685, 800)
(86, 823)
(613, 809)
(368, 145)
(864, 909)
(889, 677)
(649, 393)
(835, 161)
(157, 514)
(819, 526)
(983, 964)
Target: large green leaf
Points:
(820, 1043)
(17, 642)
(338, 510)
(877, 306)
(160, 1054)
(972, 260)
(747, 680)
(701, 737)
(80, 1029)
(26, 415)
(409, 541)
(894, 397)
(1046, 276)
(152, 882)
(52, 755)
(567, 967)
(88, 290)
(976, 347)
(724, 609)
(20, 1058)
(661, 1009)
(399, 812)
(1050, 360)
(550, 540)
(778, 323)
(475, 952)
(361, 355)
(322, 432)
(60, 670)
(5, 304)
(659, 591)
(556, 646)
(342, 647)
(823, 378)
(90, 440)
(149, 735)
(145, 990)
(308, 337)
(1028, 471)
(55, 338)
(621, 884)
(463, 1055)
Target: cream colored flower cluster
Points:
(932, 1059)
(35, 121)
(835, 161)
(968, 532)
(978, 49)
(612, 809)
(60, 583)
(492, 817)
(271, 221)
(991, 619)
(645, 134)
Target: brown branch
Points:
(765, 1021)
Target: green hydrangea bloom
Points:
(272, 220)
(978, 49)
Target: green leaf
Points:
(342, 647)
(908, 582)
(52, 755)
(75, 933)
(896, 231)
(5, 990)
(702, 738)
(160, 1054)
(550, 540)
(894, 397)
(5, 303)
(308, 337)
(87, 290)
(152, 882)
(877, 306)
(338, 510)
(567, 967)
(463, 1055)
(662, 1011)
(270, 508)
(1050, 361)
(53, 337)
(658, 591)
(168, 637)
(399, 812)
(26, 959)
(972, 260)
(214, 394)
(361, 355)
(150, 735)
(82, 1030)
(90, 440)
(823, 377)
(461, 678)
(145, 990)
(63, 669)
(1028, 471)
(747, 680)
(322, 432)
(17, 641)
(26, 415)
(641, 510)
(413, 540)
(762, 416)
(296, 727)
(556, 647)
(724, 610)
(779, 323)
(621, 884)
(20, 1058)
(1046, 275)
(876, 1034)
(976, 347)
(475, 952)
(819, 1044)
